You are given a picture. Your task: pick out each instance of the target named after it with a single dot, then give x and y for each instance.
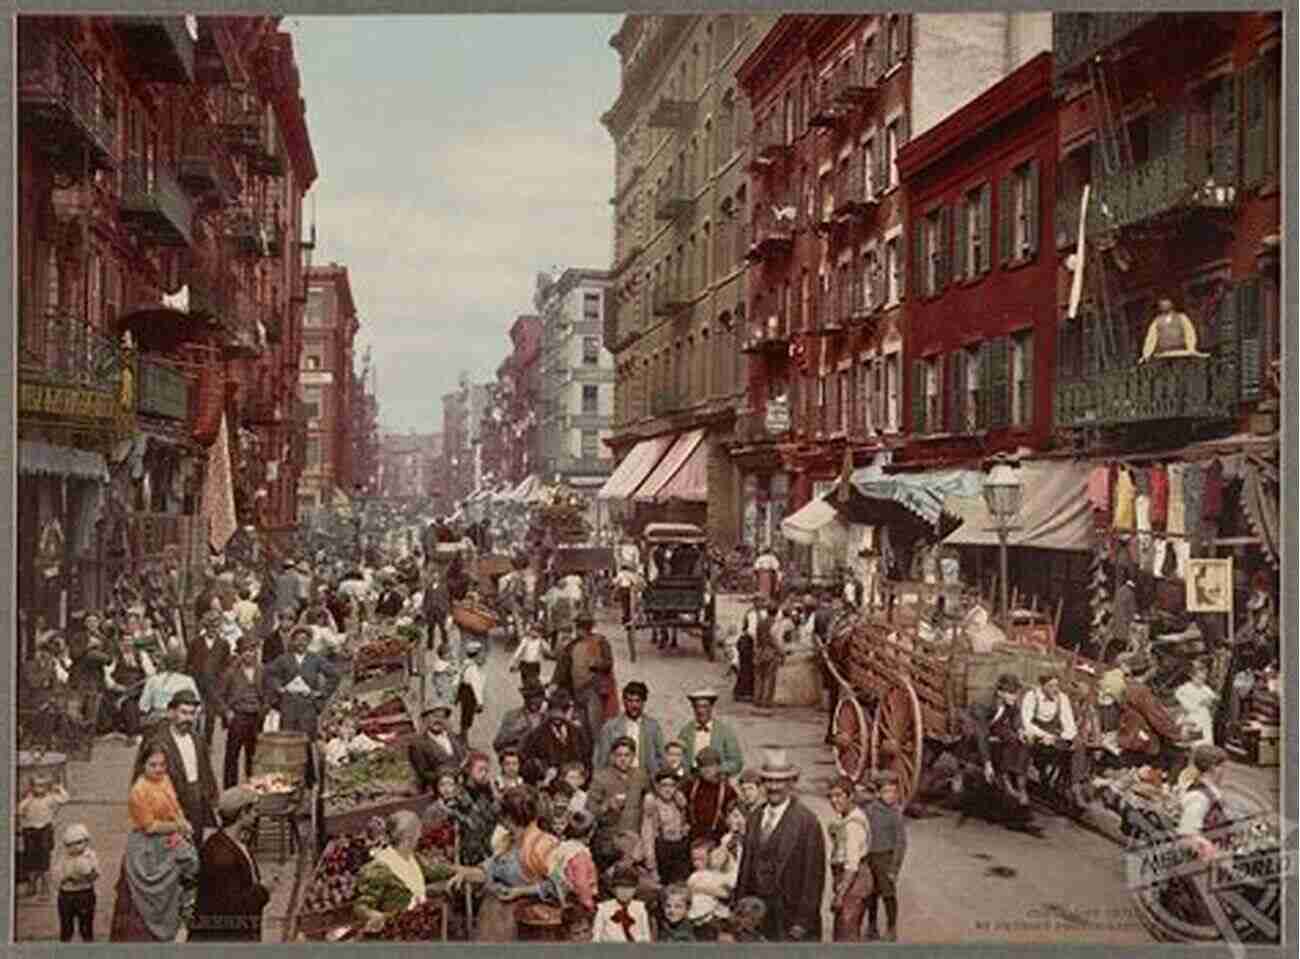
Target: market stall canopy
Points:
(1055, 513)
(42, 459)
(922, 494)
(816, 524)
(636, 466)
(673, 461)
(691, 484)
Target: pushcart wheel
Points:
(897, 737)
(851, 737)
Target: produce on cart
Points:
(367, 778)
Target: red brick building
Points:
(329, 393)
(519, 377)
(980, 345)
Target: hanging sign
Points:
(778, 416)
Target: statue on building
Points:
(1171, 333)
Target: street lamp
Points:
(1003, 494)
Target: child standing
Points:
(623, 918)
(448, 789)
(36, 813)
(575, 774)
(665, 832)
(750, 788)
(674, 760)
(76, 871)
(850, 839)
(528, 658)
(888, 845)
(470, 692)
(711, 883)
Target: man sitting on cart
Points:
(1050, 731)
(997, 728)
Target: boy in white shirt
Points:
(528, 657)
(623, 918)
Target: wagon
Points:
(681, 596)
(903, 701)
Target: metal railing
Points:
(161, 390)
(1152, 189)
(1076, 37)
(152, 192)
(770, 233)
(665, 401)
(206, 163)
(768, 139)
(1184, 387)
(61, 349)
(51, 75)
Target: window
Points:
(590, 399)
(1261, 120)
(893, 276)
(313, 451)
(877, 394)
(787, 117)
(590, 350)
(933, 251)
(873, 286)
(591, 306)
(891, 154)
(972, 245)
(1022, 379)
(897, 39)
(933, 397)
(1018, 213)
(590, 444)
(311, 401)
(893, 391)
(843, 400)
(869, 168)
(314, 313)
(311, 362)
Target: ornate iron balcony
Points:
(1162, 389)
(62, 103)
(67, 368)
(1077, 37)
(1156, 189)
(161, 48)
(155, 204)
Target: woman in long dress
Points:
(156, 888)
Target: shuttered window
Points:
(1250, 328)
(1006, 216)
(997, 370)
(1023, 379)
(918, 397)
(1260, 121)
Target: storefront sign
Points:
(315, 377)
(778, 416)
(1209, 585)
(69, 402)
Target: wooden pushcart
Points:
(903, 700)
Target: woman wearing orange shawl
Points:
(155, 890)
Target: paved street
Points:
(961, 882)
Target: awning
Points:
(920, 493)
(1055, 513)
(816, 524)
(525, 488)
(161, 327)
(673, 461)
(691, 484)
(43, 459)
(636, 466)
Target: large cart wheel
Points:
(897, 737)
(851, 736)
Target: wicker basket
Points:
(473, 619)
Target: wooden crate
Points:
(355, 819)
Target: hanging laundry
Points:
(1142, 516)
(1159, 497)
(1176, 521)
(1212, 494)
(1099, 489)
(1183, 554)
(1141, 480)
(1124, 494)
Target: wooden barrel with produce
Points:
(281, 752)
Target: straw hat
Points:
(776, 765)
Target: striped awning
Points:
(634, 468)
(691, 484)
(673, 461)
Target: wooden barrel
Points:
(281, 753)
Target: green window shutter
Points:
(1255, 142)
(983, 408)
(1224, 109)
(918, 397)
(1005, 216)
(1034, 219)
(964, 227)
(999, 395)
(945, 246)
(918, 258)
(1250, 327)
(1028, 342)
(986, 228)
(950, 369)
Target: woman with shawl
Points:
(532, 876)
(155, 892)
(397, 878)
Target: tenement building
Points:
(330, 326)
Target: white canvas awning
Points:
(1055, 513)
(816, 524)
(673, 461)
(636, 466)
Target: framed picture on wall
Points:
(1209, 586)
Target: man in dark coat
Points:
(240, 699)
(518, 723)
(299, 684)
(559, 740)
(230, 896)
(435, 748)
(188, 763)
(784, 858)
(437, 605)
(207, 660)
(998, 730)
(276, 643)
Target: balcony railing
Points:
(666, 401)
(1169, 388)
(824, 111)
(854, 85)
(851, 196)
(60, 99)
(153, 201)
(769, 334)
(241, 121)
(161, 390)
(160, 49)
(206, 168)
(1077, 37)
(248, 234)
(67, 367)
(1158, 188)
(772, 231)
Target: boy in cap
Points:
(888, 845)
(708, 796)
(623, 918)
(665, 831)
(76, 871)
(435, 748)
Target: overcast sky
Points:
(458, 156)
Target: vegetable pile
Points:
(377, 650)
(423, 923)
(373, 777)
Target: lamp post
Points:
(1003, 494)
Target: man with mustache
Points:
(188, 763)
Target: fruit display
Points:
(378, 715)
(273, 784)
(333, 886)
(381, 650)
(423, 923)
(438, 840)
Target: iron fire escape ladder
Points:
(1112, 136)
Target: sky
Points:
(458, 156)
